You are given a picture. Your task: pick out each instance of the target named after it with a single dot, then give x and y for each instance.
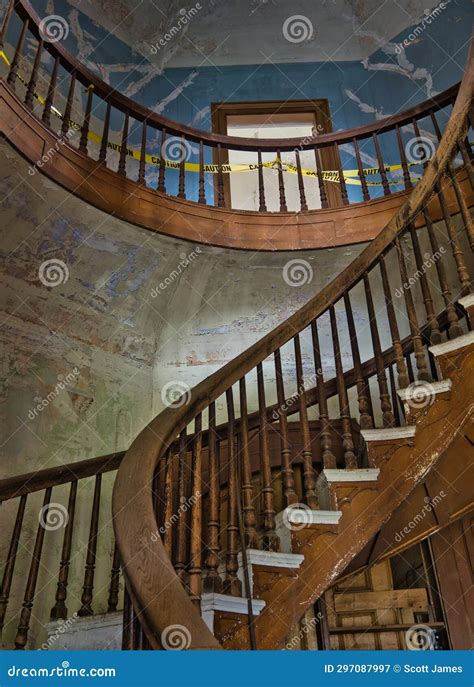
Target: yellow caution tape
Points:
(351, 176)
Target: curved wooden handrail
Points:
(200, 175)
(141, 113)
(147, 567)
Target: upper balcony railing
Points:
(282, 175)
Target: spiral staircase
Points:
(223, 542)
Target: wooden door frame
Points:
(322, 119)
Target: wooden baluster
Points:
(467, 161)
(182, 169)
(232, 584)
(350, 460)
(281, 184)
(161, 172)
(212, 582)
(319, 171)
(250, 521)
(68, 110)
(51, 93)
(29, 598)
(363, 181)
(59, 609)
(112, 601)
(342, 181)
(142, 168)
(182, 530)
(381, 164)
(271, 541)
(261, 188)
(435, 334)
(365, 419)
(423, 373)
(30, 91)
(195, 558)
(161, 482)
(309, 477)
(328, 457)
(303, 204)
(453, 319)
(402, 373)
(220, 179)
(394, 395)
(403, 159)
(87, 121)
(6, 22)
(105, 135)
(202, 184)
(11, 560)
(288, 479)
(127, 622)
(385, 405)
(457, 251)
(411, 374)
(12, 74)
(122, 166)
(166, 529)
(466, 215)
(88, 587)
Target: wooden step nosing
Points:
(311, 517)
(274, 559)
(467, 301)
(230, 604)
(432, 388)
(359, 475)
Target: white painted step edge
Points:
(360, 475)
(301, 517)
(389, 433)
(230, 604)
(454, 345)
(423, 390)
(467, 301)
(273, 559)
